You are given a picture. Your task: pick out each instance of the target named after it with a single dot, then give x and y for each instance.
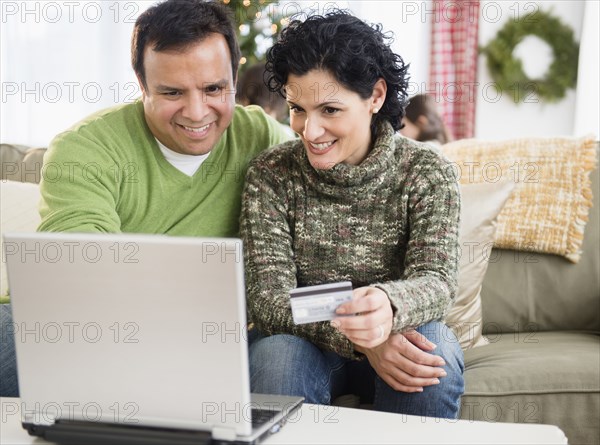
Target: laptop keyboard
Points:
(261, 416)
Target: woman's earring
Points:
(375, 110)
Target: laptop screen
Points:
(146, 329)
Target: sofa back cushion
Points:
(552, 193)
(18, 213)
(21, 163)
(480, 206)
(526, 291)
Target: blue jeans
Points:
(289, 365)
(9, 385)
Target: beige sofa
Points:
(541, 316)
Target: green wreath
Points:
(507, 71)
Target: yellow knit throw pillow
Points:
(549, 206)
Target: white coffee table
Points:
(316, 424)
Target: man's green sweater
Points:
(107, 174)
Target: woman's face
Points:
(332, 121)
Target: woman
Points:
(423, 122)
(350, 200)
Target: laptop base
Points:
(95, 433)
(72, 432)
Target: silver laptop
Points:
(140, 336)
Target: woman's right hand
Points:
(404, 363)
(373, 321)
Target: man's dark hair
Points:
(176, 24)
(355, 53)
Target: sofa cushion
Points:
(543, 377)
(21, 163)
(548, 209)
(480, 206)
(533, 291)
(18, 213)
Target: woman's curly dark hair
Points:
(355, 53)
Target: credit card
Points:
(318, 303)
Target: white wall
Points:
(409, 21)
(499, 117)
(587, 107)
(61, 61)
(55, 72)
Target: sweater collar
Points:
(347, 175)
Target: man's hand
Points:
(372, 323)
(404, 363)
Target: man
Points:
(171, 163)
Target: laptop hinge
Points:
(223, 433)
(37, 418)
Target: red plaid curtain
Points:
(453, 69)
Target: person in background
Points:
(423, 122)
(252, 90)
(351, 200)
(172, 162)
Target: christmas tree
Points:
(258, 25)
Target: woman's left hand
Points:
(372, 323)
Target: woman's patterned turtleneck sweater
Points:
(390, 222)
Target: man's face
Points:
(190, 96)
